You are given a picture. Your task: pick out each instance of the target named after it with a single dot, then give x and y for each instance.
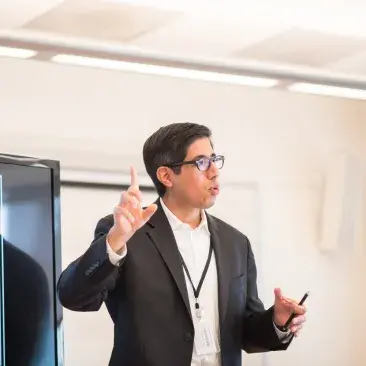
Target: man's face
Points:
(197, 188)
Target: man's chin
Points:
(209, 203)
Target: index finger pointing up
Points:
(134, 178)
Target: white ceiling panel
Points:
(355, 64)
(233, 6)
(210, 35)
(15, 13)
(304, 47)
(109, 21)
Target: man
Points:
(179, 284)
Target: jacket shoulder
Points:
(228, 229)
(103, 226)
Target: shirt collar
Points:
(177, 224)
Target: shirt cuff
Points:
(113, 256)
(283, 336)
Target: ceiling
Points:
(324, 38)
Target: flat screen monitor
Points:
(31, 261)
(2, 338)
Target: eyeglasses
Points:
(203, 163)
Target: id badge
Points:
(205, 339)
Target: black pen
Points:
(292, 316)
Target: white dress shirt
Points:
(194, 245)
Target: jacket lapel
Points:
(160, 232)
(223, 267)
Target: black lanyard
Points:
(197, 291)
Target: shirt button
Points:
(188, 337)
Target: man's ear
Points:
(164, 174)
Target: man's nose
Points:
(213, 171)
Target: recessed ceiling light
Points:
(16, 52)
(328, 90)
(164, 71)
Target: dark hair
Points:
(169, 144)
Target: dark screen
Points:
(2, 345)
(28, 255)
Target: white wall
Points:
(278, 146)
(88, 336)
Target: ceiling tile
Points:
(101, 20)
(304, 47)
(208, 36)
(15, 13)
(352, 65)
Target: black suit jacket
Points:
(147, 298)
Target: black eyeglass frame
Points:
(195, 162)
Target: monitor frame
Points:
(54, 167)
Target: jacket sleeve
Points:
(85, 283)
(259, 333)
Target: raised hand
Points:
(128, 215)
(284, 307)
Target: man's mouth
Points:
(215, 190)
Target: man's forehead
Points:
(201, 147)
